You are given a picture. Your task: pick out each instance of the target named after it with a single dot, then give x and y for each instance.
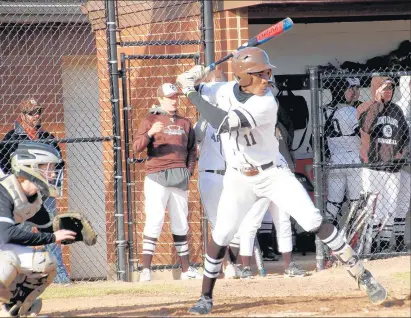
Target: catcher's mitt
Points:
(75, 222)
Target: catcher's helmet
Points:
(25, 163)
(247, 61)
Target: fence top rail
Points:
(162, 56)
(327, 74)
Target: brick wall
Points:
(31, 61)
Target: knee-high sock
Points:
(149, 246)
(181, 244)
(212, 267)
(399, 231)
(233, 251)
(329, 235)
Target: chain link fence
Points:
(364, 122)
(51, 92)
(158, 40)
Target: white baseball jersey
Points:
(253, 145)
(342, 138)
(211, 150)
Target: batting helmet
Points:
(216, 76)
(247, 61)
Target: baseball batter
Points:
(212, 167)
(246, 123)
(343, 141)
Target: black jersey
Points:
(13, 234)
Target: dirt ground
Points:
(330, 293)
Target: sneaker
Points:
(145, 275)
(374, 290)
(203, 306)
(294, 270)
(246, 273)
(270, 257)
(191, 273)
(232, 271)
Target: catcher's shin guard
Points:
(9, 263)
(35, 282)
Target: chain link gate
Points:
(362, 159)
(51, 92)
(165, 41)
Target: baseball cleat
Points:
(232, 271)
(374, 290)
(191, 273)
(203, 306)
(246, 273)
(294, 270)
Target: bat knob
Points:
(287, 24)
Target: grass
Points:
(88, 290)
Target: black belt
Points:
(252, 171)
(220, 172)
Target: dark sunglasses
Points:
(34, 112)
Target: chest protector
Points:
(23, 210)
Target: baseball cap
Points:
(166, 90)
(29, 105)
(353, 81)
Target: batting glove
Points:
(186, 82)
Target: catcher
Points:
(26, 272)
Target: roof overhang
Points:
(318, 8)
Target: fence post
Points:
(317, 169)
(208, 32)
(209, 56)
(118, 179)
(132, 261)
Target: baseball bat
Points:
(259, 259)
(262, 37)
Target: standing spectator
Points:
(28, 127)
(171, 149)
(404, 197)
(384, 143)
(343, 147)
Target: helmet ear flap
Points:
(244, 80)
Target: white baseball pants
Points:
(279, 185)
(388, 186)
(338, 182)
(157, 199)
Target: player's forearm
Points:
(213, 115)
(141, 142)
(12, 234)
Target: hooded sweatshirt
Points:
(384, 131)
(174, 147)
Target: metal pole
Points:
(208, 32)
(209, 56)
(118, 178)
(318, 184)
(132, 262)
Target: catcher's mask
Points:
(41, 164)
